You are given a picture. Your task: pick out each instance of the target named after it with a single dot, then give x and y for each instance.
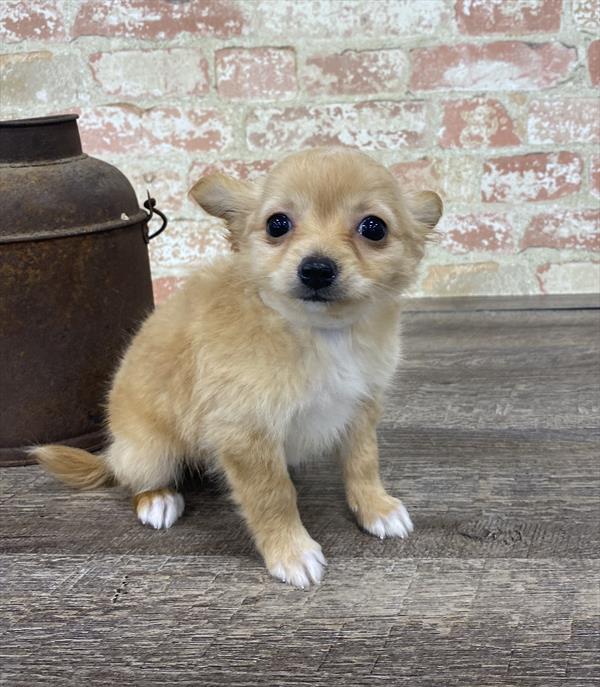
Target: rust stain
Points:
(74, 285)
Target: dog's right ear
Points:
(227, 198)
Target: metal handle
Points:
(150, 204)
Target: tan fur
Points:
(235, 371)
(77, 468)
(144, 498)
(365, 493)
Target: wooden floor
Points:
(491, 437)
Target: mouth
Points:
(326, 296)
(316, 298)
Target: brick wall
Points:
(493, 103)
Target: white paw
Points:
(305, 570)
(396, 524)
(160, 509)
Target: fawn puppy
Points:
(272, 355)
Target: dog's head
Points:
(327, 233)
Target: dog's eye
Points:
(372, 228)
(278, 225)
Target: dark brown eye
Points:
(372, 228)
(278, 225)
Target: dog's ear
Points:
(426, 207)
(227, 198)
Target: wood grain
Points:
(538, 302)
(491, 436)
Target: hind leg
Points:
(150, 470)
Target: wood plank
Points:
(220, 620)
(478, 303)
(491, 435)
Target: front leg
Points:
(260, 483)
(376, 511)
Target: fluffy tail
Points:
(73, 466)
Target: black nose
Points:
(317, 272)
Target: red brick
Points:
(42, 80)
(417, 175)
(485, 232)
(586, 14)
(478, 279)
(502, 66)
(238, 169)
(158, 19)
(477, 17)
(124, 129)
(188, 243)
(595, 175)
(453, 177)
(572, 120)
(569, 277)
(348, 18)
(594, 62)
(256, 73)
(356, 72)
(164, 287)
(166, 184)
(157, 73)
(38, 20)
(538, 176)
(564, 229)
(477, 122)
(460, 178)
(378, 125)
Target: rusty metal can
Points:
(74, 284)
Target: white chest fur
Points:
(341, 373)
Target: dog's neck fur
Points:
(347, 365)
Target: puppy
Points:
(273, 355)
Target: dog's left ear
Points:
(227, 198)
(426, 207)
